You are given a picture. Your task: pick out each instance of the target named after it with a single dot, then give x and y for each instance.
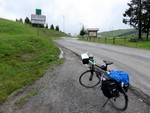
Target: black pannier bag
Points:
(126, 87)
(109, 86)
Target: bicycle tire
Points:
(121, 102)
(85, 81)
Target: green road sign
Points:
(38, 11)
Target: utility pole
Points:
(63, 23)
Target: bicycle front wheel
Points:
(89, 79)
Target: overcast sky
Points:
(70, 15)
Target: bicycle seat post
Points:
(107, 63)
(106, 67)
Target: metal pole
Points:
(38, 30)
(63, 23)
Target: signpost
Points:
(38, 18)
(38, 11)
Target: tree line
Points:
(138, 16)
(27, 21)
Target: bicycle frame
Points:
(95, 67)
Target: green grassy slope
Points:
(24, 56)
(14, 28)
(118, 33)
(51, 33)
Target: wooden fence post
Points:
(113, 40)
(105, 39)
(124, 40)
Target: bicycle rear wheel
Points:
(120, 102)
(89, 79)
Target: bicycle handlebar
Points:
(87, 58)
(93, 62)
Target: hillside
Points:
(24, 56)
(14, 28)
(119, 33)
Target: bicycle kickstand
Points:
(106, 102)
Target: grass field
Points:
(122, 41)
(24, 56)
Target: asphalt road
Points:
(136, 62)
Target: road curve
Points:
(134, 61)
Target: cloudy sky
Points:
(70, 15)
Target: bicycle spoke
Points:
(88, 80)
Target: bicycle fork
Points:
(91, 77)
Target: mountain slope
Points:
(119, 33)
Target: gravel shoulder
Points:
(60, 92)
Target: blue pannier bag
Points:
(111, 83)
(120, 76)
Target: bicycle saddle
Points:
(107, 62)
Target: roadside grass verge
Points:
(143, 44)
(24, 60)
(24, 56)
